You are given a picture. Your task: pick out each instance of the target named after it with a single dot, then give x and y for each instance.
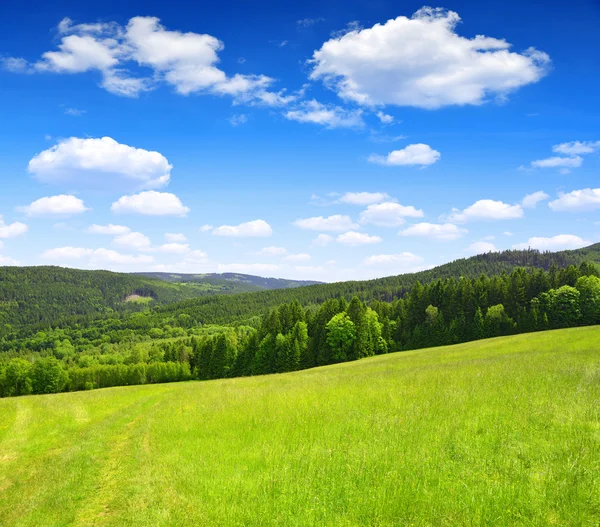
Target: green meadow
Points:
(496, 432)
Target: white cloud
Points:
(388, 214)
(330, 116)
(238, 119)
(444, 231)
(186, 61)
(487, 209)
(64, 205)
(363, 198)
(334, 223)
(151, 203)
(256, 268)
(558, 162)
(422, 61)
(7, 260)
(394, 260)
(206, 228)
(10, 230)
(93, 256)
(531, 200)
(417, 154)
(577, 147)
(174, 248)
(74, 112)
(507, 233)
(586, 199)
(322, 240)
(481, 247)
(110, 229)
(307, 22)
(297, 258)
(354, 238)
(272, 251)
(134, 240)
(384, 117)
(175, 237)
(100, 162)
(553, 243)
(256, 228)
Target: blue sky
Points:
(321, 140)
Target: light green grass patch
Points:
(497, 432)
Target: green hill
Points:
(47, 296)
(496, 432)
(42, 297)
(222, 310)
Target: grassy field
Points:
(498, 432)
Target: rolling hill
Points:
(45, 296)
(219, 309)
(39, 297)
(495, 432)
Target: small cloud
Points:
(417, 154)
(586, 199)
(308, 22)
(134, 240)
(256, 228)
(531, 200)
(328, 115)
(10, 230)
(443, 231)
(384, 117)
(553, 243)
(481, 247)
(238, 119)
(110, 229)
(388, 214)
(151, 203)
(206, 228)
(355, 239)
(363, 198)
(487, 209)
(337, 222)
(322, 240)
(74, 112)
(63, 205)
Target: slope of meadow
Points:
(502, 431)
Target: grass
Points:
(498, 432)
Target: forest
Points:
(175, 343)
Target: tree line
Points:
(292, 336)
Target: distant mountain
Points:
(229, 282)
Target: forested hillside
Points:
(165, 345)
(229, 282)
(47, 296)
(41, 297)
(222, 310)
